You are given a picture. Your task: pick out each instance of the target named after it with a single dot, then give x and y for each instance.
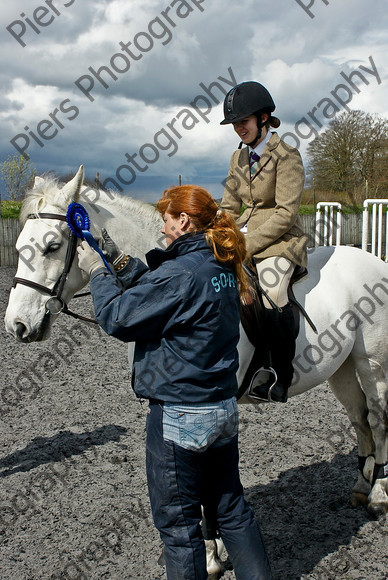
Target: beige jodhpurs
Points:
(274, 277)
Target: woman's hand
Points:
(88, 259)
(110, 250)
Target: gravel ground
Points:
(72, 478)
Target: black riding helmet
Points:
(249, 98)
(246, 99)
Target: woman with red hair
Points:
(182, 310)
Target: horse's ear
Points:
(38, 180)
(72, 188)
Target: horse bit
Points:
(55, 304)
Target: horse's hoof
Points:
(358, 499)
(213, 563)
(377, 510)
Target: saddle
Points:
(254, 322)
(252, 310)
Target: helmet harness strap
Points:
(259, 128)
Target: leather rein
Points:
(55, 304)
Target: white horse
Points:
(345, 294)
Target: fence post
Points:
(9, 231)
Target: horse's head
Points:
(42, 246)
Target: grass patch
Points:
(352, 209)
(310, 209)
(306, 210)
(10, 209)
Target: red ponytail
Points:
(221, 232)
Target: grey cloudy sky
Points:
(123, 86)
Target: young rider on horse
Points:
(182, 311)
(267, 177)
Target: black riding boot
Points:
(281, 335)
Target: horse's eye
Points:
(53, 247)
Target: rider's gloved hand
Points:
(88, 259)
(110, 250)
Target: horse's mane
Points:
(44, 193)
(48, 192)
(125, 203)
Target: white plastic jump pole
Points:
(332, 220)
(377, 227)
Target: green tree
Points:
(18, 174)
(351, 153)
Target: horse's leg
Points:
(214, 565)
(373, 378)
(346, 387)
(214, 545)
(215, 549)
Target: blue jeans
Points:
(197, 427)
(197, 464)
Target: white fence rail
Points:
(328, 223)
(374, 232)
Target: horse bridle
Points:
(55, 304)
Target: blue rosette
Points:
(78, 220)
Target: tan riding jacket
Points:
(272, 198)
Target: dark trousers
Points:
(179, 482)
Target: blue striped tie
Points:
(253, 162)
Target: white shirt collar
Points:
(261, 146)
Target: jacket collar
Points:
(259, 149)
(272, 144)
(190, 242)
(243, 160)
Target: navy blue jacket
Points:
(183, 313)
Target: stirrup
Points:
(261, 377)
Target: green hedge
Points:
(10, 209)
(310, 209)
